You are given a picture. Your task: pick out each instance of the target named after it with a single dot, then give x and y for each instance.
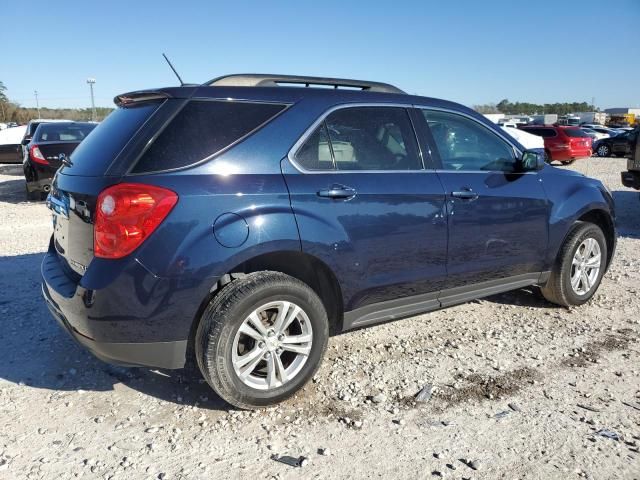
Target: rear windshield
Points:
(94, 155)
(574, 132)
(202, 129)
(63, 132)
(541, 132)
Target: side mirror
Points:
(532, 160)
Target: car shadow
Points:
(14, 191)
(39, 354)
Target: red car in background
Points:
(564, 144)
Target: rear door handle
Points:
(337, 192)
(465, 195)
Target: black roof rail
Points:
(272, 80)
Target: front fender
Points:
(572, 197)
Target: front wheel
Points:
(261, 339)
(579, 267)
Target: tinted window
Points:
(464, 144)
(94, 155)
(315, 154)
(202, 129)
(541, 132)
(373, 138)
(61, 132)
(574, 132)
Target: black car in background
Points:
(51, 144)
(620, 145)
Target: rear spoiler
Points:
(126, 99)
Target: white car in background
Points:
(527, 140)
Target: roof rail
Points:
(271, 80)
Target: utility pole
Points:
(35, 92)
(91, 82)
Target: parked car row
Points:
(563, 144)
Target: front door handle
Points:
(465, 194)
(337, 192)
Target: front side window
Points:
(362, 138)
(464, 144)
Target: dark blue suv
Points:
(240, 222)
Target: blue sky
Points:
(462, 50)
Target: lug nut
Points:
(260, 344)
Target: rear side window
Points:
(362, 138)
(574, 132)
(202, 129)
(96, 153)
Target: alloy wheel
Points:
(585, 266)
(272, 345)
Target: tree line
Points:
(13, 112)
(526, 108)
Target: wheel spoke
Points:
(281, 372)
(297, 338)
(593, 262)
(283, 309)
(301, 349)
(249, 360)
(255, 321)
(272, 379)
(286, 320)
(586, 284)
(575, 280)
(247, 330)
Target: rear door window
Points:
(202, 129)
(574, 132)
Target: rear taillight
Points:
(36, 155)
(126, 214)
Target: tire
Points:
(547, 157)
(559, 289)
(603, 150)
(219, 341)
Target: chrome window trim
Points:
(303, 138)
(296, 146)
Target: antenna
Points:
(174, 70)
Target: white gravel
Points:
(520, 388)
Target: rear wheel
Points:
(547, 156)
(579, 267)
(261, 339)
(603, 150)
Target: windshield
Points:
(63, 132)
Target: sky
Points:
(472, 52)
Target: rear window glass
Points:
(94, 155)
(574, 132)
(201, 129)
(62, 132)
(541, 132)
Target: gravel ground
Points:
(519, 388)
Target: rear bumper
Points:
(631, 179)
(133, 318)
(170, 355)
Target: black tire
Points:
(547, 157)
(224, 316)
(558, 288)
(603, 150)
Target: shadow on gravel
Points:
(627, 213)
(13, 191)
(524, 297)
(38, 353)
